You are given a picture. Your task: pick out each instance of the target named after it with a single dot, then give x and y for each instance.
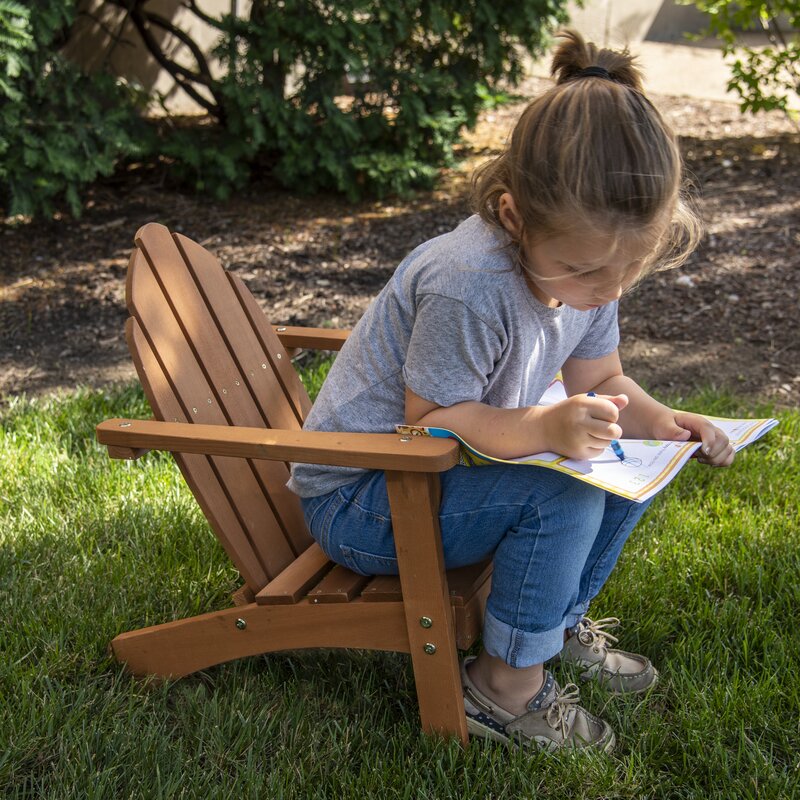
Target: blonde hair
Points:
(593, 154)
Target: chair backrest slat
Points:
(273, 347)
(223, 327)
(243, 345)
(199, 471)
(229, 353)
(199, 330)
(191, 388)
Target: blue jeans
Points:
(554, 541)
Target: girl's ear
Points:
(509, 215)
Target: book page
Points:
(648, 466)
(742, 432)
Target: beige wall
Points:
(644, 24)
(618, 23)
(116, 44)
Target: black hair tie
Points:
(595, 72)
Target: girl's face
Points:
(581, 272)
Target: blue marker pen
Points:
(617, 448)
(615, 445)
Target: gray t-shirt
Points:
(456, 322)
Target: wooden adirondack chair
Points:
(229, 404)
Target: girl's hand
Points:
(582, 427)
(684, 425)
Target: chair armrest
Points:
(387, 451)
(311, 338)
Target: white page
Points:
(648, 466)
(742, 432)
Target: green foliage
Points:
(765, 78)
(352, 96)
(367, 98)
(15, 39)
(59, 129)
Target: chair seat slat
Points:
(340, 585)
(296, 579)
(462, 582)
(382, 589)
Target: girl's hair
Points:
(593, 154)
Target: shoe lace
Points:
(558, 714)
(592, 631)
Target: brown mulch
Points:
(727, 319)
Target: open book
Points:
(648, 466)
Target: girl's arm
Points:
(580, 427)
(644, 417)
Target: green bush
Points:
(15, 39)
(765, 78)
(354, 96)
(59, 129)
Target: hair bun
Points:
(574, 54)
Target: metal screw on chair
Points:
(429, 648)
(125, 424)
(241, 624)
(278, 355)
(282, 328)
(426, 622)
(405, 438)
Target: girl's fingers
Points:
(607, 407)
(605, 431)
(715, 442)
(725, 459)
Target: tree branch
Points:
(184, 78)
(203, 74)
(116, 37)
(209, 20)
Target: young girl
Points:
(468, 334)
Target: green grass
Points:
(707, 587)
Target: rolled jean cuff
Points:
(576, 614)
(520, 648)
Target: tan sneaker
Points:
(615, 670)
(554, 719)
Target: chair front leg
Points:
(414, 500)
